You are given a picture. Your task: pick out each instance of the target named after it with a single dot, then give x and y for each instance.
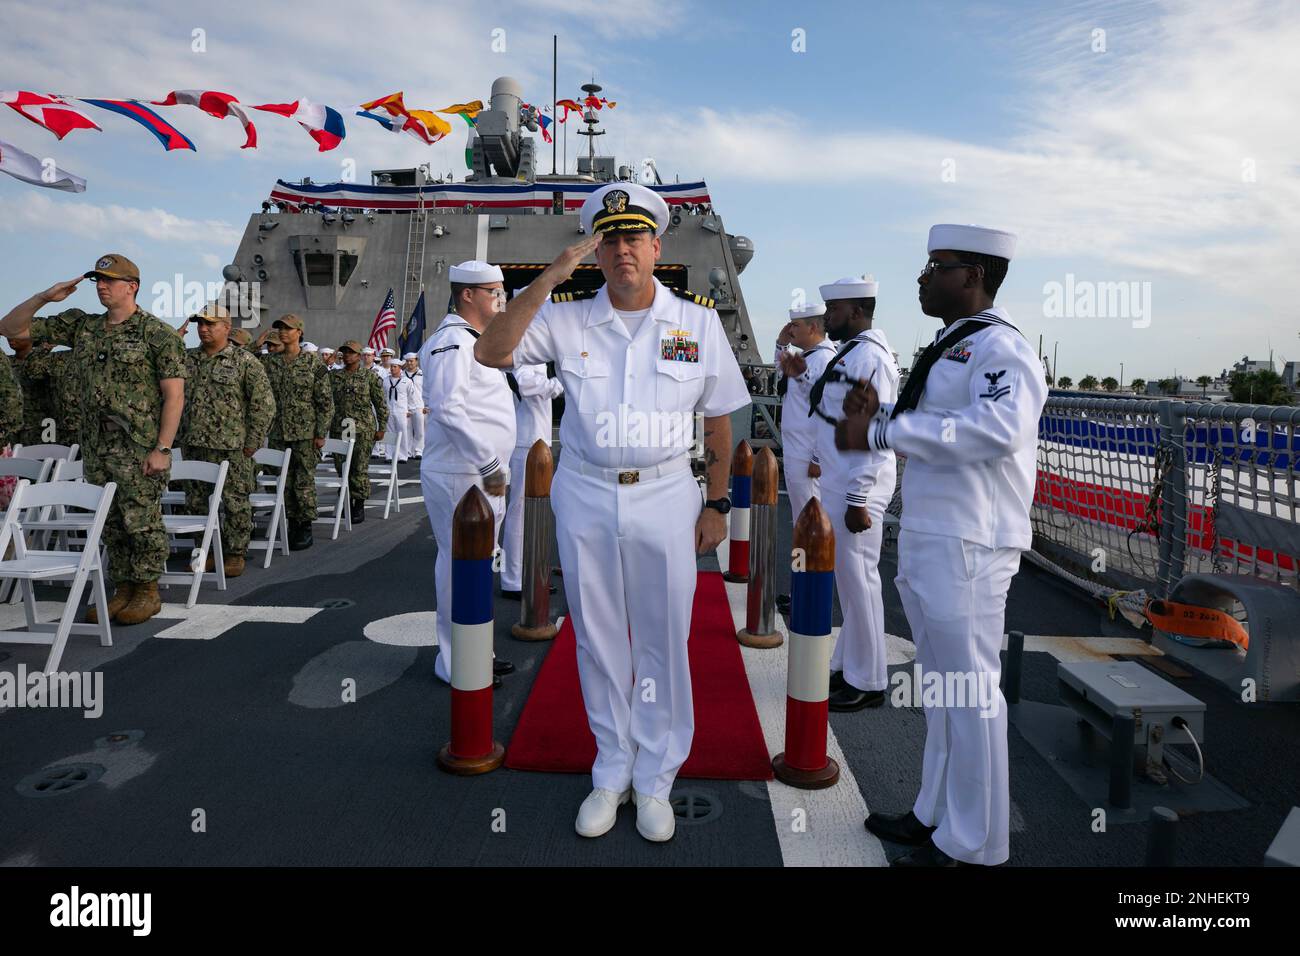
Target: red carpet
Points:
(553, 736)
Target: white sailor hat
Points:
(978, 239)
(367, 351)
(808, 311)
(409, 355)
(624, 207)
(309, 347)
(475, 272)
(854, 287)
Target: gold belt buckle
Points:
(629, 477)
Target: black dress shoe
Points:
(496, 682)
(783, 603)
(927, 854)
(512, 595)
(902, 828)
(500, 667)
(848, 699)
(358, 510)
(837, 680)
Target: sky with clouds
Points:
(1146, 143)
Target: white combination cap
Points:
(475, 272)
(854, 287)
(624, 207)
(979, 239)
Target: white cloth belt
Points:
(624, 476)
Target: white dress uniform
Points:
(971, 446)
(403, 401)
(858, 479)
(533, 417)
(798, 430)
(418, 416)
(626, 508)
(471, 433)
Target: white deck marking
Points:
(203, 622)
(417, 629)
(835, 835)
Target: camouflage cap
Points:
(272, 336)
(114, 266)
(351, 345)
(241, 338)
(289, 321)
(213, 311)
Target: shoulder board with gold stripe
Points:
(690, 296)
(574, 296)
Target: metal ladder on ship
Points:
(414, 281)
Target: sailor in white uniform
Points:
(637, 363)
(368, 362)
(856, 488)
(471, 430)
(533, 392)
(807, 334)
(411, 366)
(967, 420)
(403, 403)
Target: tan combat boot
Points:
(144, 604)
(234, 565)
(120, 598)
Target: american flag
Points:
(385, 322)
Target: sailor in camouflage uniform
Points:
(228, 411)
(34, 369)
(304, 409)
(11, 404)
(358, 396)
(131, 370)
(67, 393)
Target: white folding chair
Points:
(336, 485)
(206, 525)
(28, 566)
(383, 474)
(36, 471)
(272, 503)
(64, 452)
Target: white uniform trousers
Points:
(798, 485)
(397, 425)
(413, 441)
(512, 536)
(955, 595)
(628, 553)
(442, 493)
(860, 650)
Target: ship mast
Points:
(589, 117)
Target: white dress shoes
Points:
(599, 811)
(655, 819)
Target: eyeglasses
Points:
(931, 267)
(496, 293)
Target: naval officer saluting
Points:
(637, 362)
(967, 420)
(471, 429)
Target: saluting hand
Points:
(785, 336)
(61, 290)
(568, 260)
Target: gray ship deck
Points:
(245, 720)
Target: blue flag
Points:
(413, 336)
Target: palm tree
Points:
(1204, 381)
(1109, 383)
(1088, 383)
(1138, 385)
(1168, 385)
(1065, 382)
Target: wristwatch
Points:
(720, 505)
(165, 450)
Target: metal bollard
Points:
(473, 537)
(1162, 841)
(1123, 727)
(804, 762)
(760, 598)
(535, 622)
(742, 468)
(1015, 658)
